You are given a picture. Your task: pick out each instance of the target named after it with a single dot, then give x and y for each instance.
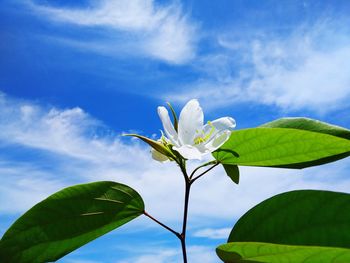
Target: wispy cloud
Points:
(23, 185)
(69, 132)
(213, 233)
(200, 254)
(131, 27)
(161, 255)
(306, 68)
(82, 261)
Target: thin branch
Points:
(201, 166)
(160, 223)
(197, 177)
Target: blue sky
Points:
(75, 75)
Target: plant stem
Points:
(184, 224)
(188, 183)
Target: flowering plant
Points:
(297, 226)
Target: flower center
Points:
(202, 137)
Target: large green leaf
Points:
(314, 126)
(281, 147)
(297, 226)
(309, 125)
(273, 253)
(303, 217)
(69, 219)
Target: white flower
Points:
(194, 139)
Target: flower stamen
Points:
(204, 137)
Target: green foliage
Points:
(232, 171)
(281, 147)
(69, 219)
(314, 126)
(302, 217)
(314, 221)
(249, 252)
(309, 125)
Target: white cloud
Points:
(165, 255)
(202, 254)
(19, 192)
(82, 261)
(196, 254)
(134, 27)
(305, 69)
(213, 233)
(70, 132)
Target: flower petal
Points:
(167, 125)
(189, 152)
(190, 121)
(224, 123)
(218, 140)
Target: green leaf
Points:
(314, 126)
(273, 253)
(298, 226)
(303, 217)
(281, 147)
(309, 125)
(69, 219)
(232, 171)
